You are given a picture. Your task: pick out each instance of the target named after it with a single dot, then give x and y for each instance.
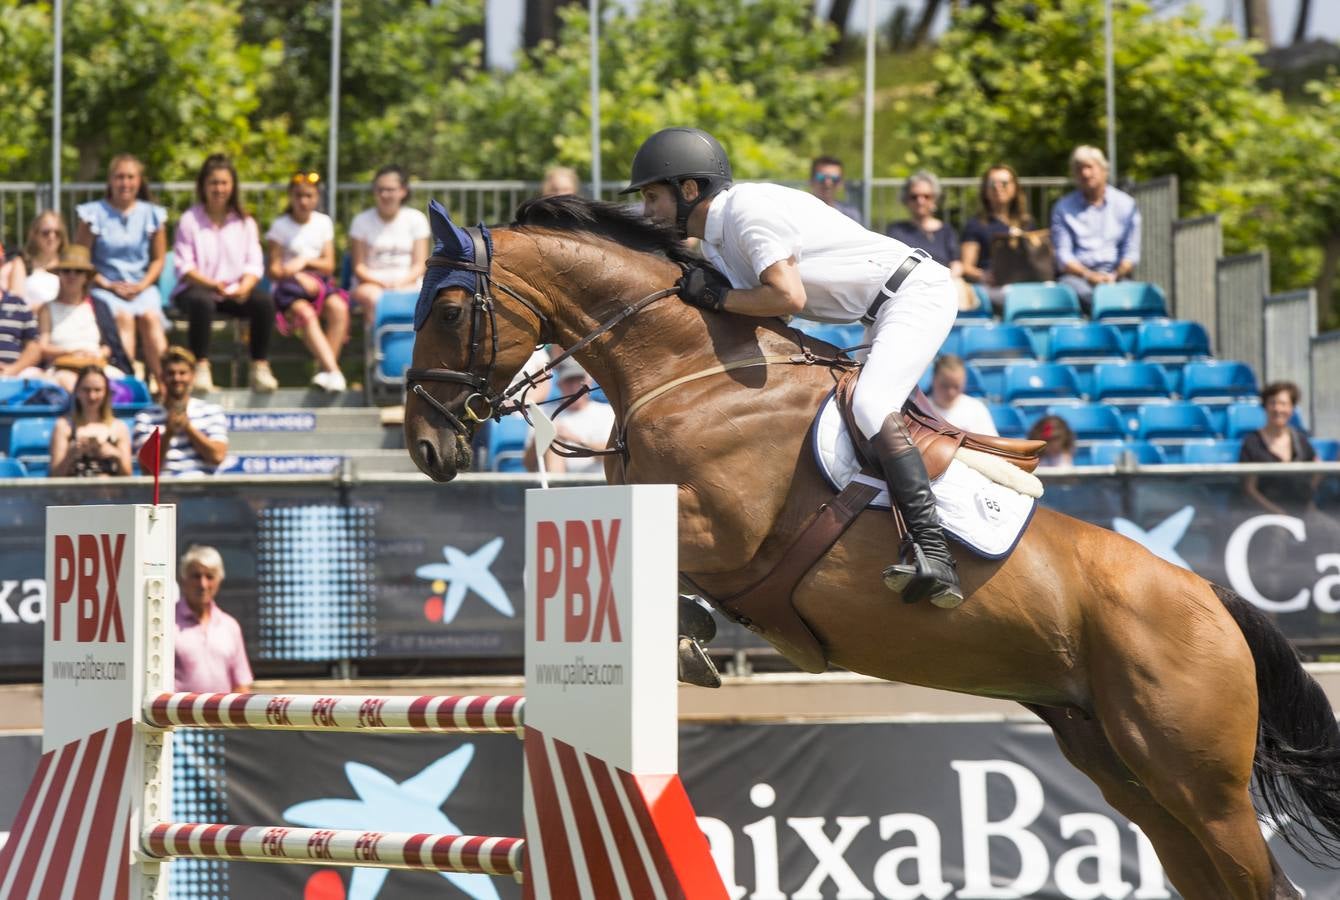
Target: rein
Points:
(482, 405)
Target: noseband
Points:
(482, 405)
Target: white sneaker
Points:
(204, 379)
(263, 380)
(330, 382)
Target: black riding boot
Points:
(932, 576)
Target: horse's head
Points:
(466, 350)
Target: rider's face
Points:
(658, 203)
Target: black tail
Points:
(1297, 765)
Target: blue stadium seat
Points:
(391, 343)
(1218, 382)
(1171, 340)
(1127, 385)
(1091, 421)
(980, 313)
(1241, 418)
(1174, 423)
(12, 468)
(1032, 384)
(507, 443)
(952, 344)
(139, 397)
(840, 336)
(1111, 453)
(991, 348)
(1041, 302)
(1211, 452)
(167, 279)
(1084, 346)
(30, 443)
(1128, 301)
(1009, 422)
(393, 357)
(1328, 449)
(395, 307)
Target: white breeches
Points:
(906, 336)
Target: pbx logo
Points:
(86, 571)
(564, 561)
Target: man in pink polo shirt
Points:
(211, 657)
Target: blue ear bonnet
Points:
(453, 243)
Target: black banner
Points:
(865, 810)
(387, 574)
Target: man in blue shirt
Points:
(1096, 229)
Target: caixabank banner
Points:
(380, 572)
(853, 811)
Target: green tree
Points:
(752, 73)
(169, 88)
(1026, 86)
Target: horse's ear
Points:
(452, 240)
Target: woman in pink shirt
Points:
(219, 268)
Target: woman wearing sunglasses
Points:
(219, 269)
(47, 237)
(921, 196)
(302, 261)
(1002, 209)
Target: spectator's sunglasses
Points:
(827, 178)
(305, 178)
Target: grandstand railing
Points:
(488, 201)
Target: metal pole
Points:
(595, 99)
(1111, 96)
(57, 12)
(333, 150)
(868, 164)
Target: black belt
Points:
(893, 284)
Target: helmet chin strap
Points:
(683, 208)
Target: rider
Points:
(786, 252)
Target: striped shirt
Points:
(182, 458)
(17, 327)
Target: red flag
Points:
(151, 459)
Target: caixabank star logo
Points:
(463, 573)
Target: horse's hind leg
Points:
(1185, 861)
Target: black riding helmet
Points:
(675, 155)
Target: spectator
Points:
(302, 261)
(826, 181)
(389, 242)
(560, 181)
(13, 273)
(1060, 449)
(74, 329)
(127, 235)
(195, 433)
(586, 423)
(90, 442)
(949, 402)
(921, 196)
(47, 237)
(1095, 229)
(1001, 209)
(20, 348)
(1279, 442)
(211, 657)
(219, 268)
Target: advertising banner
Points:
(901, 811)
(386, 573)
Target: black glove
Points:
(703, 287)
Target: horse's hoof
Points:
(695, 666)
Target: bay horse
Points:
(1167, 691)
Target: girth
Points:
(767, 606)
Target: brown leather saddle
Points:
(766, 607)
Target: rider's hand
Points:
(705, 288)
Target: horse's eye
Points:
(451, 315)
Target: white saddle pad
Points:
(986, 516)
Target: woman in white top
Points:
(47, 237)
(302, 260)
(69, 331)
(389, 242)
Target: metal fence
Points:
(1325, 378)
(487, 201)
(1157, 202)
(1290, 325)
(1242, 283)
(1196, 246)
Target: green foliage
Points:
(169, 88)
(1028, 87)
(751, 73)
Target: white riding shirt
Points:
(843, 268)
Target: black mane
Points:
(608, 220)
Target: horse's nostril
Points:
(428, 453)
